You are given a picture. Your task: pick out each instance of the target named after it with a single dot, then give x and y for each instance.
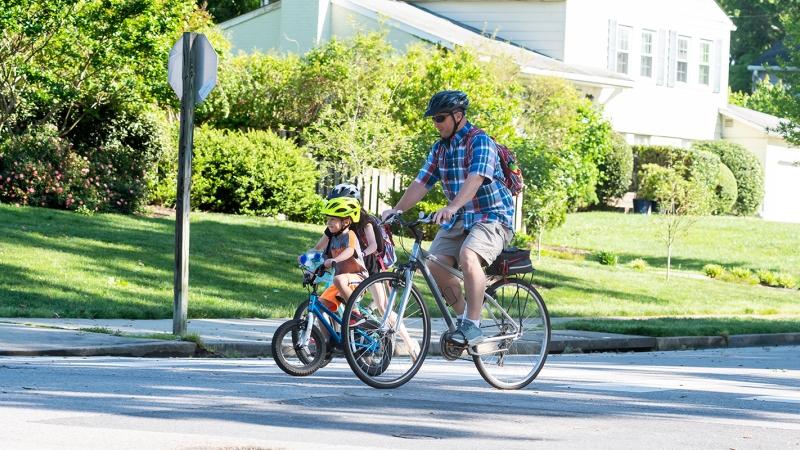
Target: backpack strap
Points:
(471, 135)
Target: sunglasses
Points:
(439, 119)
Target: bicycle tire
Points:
(286, 351)
(399, 368)
(514, 364)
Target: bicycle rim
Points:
(290, 356)
(513, 363)
(381, 358)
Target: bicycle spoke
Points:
(517, 331)
(380, 356)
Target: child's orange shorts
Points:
(330, 293)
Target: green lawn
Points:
(112, 266)
(669, 326)
(728, 241)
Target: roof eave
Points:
(591, 80)
(731, 115)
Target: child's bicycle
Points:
(299, 346)
(515, 324)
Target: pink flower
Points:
(131, 191)
(69, 195)
(80, 202)
(118, 202)
(16, 204)
(60, 190)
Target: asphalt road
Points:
(745, 398)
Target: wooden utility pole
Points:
(180, 305)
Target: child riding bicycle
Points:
(340, 248)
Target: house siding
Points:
(535, 25)
(346, 24)
(672, 110)
(260, 33)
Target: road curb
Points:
(166, 349)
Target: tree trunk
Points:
(669, 257)
(539, 245)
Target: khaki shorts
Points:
(485, 239)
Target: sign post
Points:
(192, 73)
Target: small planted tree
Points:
(681, 202)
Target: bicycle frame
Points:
(317, 311)
(417, 262)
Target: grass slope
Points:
(113, 266)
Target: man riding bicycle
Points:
(477, 224)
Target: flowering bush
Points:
(42, 169)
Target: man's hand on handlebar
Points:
(385, 214)
(444, 214)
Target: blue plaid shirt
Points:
(492, 202)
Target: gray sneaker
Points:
(467, 334)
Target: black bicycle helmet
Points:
(345, 190)
(447, 102)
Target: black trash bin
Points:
(641, 206)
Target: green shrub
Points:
(254, 173)
(765, 277)
(41, 169)
(638, 264)
(745, 168)
(785, 280)
(616, 169)
(725, 192)
(740, 272)
(607, 258)
(522, 240)
(698, 166)
(713, 270)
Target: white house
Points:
(659, 67)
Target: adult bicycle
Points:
(514, 321)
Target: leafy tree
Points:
(774, 99)
(64, 59)
(223, 10)
(682, 202)
(759, 25)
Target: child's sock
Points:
(476, 322)
(461, 316)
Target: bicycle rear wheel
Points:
(514, 362)
(293, 358)
(385, 359)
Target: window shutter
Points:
(717, 65)
(612, 45)
(673, 56)
(662, 53)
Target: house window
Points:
(646, 66)
(683, 60)
(704, 75)
(623, 49)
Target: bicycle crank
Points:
(449, 350)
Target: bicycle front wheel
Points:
(388, 357)
(521, 315)
(292, 357)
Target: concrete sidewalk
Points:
(247, 338)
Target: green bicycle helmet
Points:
(343, 207)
